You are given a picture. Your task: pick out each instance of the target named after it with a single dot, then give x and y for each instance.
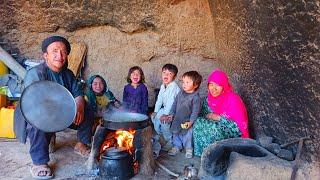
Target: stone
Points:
(252, 168)
(274, 148)
(286, 154)
(214, 159)
(265, 141)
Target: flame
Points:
(125, 139)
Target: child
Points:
(184, 112)
(168, 91)
(135, 93)
(99, 97)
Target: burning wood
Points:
(119, 138)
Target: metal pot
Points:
(190, 172)
(115, 120)
(116, 163)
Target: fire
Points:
(125, 139)
(120, 138)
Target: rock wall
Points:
(274, 47)
(269, 48)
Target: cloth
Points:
(40, 141)
(207, 131)
(136, 99)
(181, 141)
(186, 107)
(102, 103)
(52, 39)
(166, 98)
(228, 103)
(91, 97)
(163, 106)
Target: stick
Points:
(12, 64)
(166, 169)
(8, 140)
(297, 160)
(295, 141)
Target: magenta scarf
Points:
(228, 103)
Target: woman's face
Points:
(97, 85)
(214, 89)
(135, 77)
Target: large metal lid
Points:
(48, 106)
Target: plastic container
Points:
(3, 69)
(6, 123)
(3, 100)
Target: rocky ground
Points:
(15, 160)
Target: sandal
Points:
(82, 149)
(41, 172)
(189, 153)
(174, 151)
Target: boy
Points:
(168, 91)
(184, 112)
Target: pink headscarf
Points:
(228, 103)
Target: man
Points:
(55, 52)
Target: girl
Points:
(99, 97)
(135, 93)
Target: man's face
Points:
(56, 56)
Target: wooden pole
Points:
(12, 64)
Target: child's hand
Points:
(213, 116)
(152, 115)
(117, 104)
(165, 119)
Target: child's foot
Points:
(173, 151)
(167, 147)
(189, 153)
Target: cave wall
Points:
(274, 47)
(269, 48)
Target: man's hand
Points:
(213, 116)
(80, 110)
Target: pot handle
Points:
(135, 155)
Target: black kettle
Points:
(116, 163)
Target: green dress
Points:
(207, 131)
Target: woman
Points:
(223, 114)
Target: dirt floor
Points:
(15, 160)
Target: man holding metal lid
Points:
(55, 52)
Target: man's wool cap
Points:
(52, 39)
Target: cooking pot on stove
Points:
(116, 163)
(115, 120)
